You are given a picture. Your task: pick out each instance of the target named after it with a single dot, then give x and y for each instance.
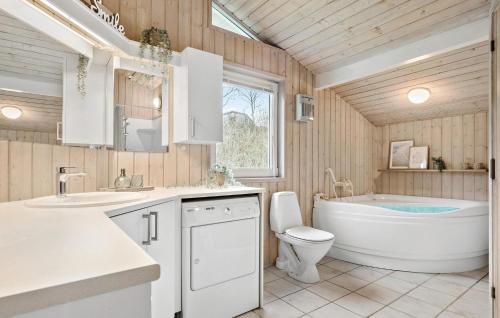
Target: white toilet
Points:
(301, 247)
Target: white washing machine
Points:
(220, 256)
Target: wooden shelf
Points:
(431, 170)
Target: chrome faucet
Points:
(62, 177)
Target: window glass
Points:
(249, 146)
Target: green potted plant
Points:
(221, 175)
(158, 42)
(438, 163)
(83, 63)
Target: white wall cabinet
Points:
(154, 229)
(198, 98)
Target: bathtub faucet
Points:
(345, 183)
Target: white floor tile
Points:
(366, 274)
(388, 312)
(432, 296)
(326, 272)
(416, 278)
(415, 307)
(473, 304)
(268, 297)
(359, 304)
(341, 265)
(298, 283)
(449, 314)
(329, 291)
(305, 300)
(379, 293)
(281, 288)
(269, 276)
(333, 311)
(380, 270)
(477, 274)
(395, 284)
(350, 282)
(276, 271)
(458, 279)
(445, 286)
(249, 314)
(278, 309)
(325, 259)
(482, 286)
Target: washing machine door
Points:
(223, 251)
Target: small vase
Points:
(220, 179)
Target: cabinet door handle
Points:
(148, 218)
(193, 123)
(155, 237)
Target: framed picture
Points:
(400, 154)
(419, 157)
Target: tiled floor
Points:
(348, 290)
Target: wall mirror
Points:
(140, 111)
(31, 83)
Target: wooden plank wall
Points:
(339, 137)
(30, 136)
(457, 139)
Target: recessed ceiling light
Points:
(11, 112)
(419, 95)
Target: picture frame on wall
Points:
(419, 157)
(400, 154)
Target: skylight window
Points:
(224, 20)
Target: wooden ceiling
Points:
(26, 53)
(325, 34)
(40, 113)
(458, 81)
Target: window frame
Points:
(271, 86)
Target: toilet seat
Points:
(309, 234)
(306, 236)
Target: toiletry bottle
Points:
(122, 181)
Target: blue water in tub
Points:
(418, 209)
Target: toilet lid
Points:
(309, 234)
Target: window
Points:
(225, 20)
(250, 126)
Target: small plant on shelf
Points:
(438, 163)
(83, 63)
(158, 42)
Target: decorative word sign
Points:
(111, 19)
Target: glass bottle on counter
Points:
(122, 181)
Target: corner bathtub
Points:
(406, 233)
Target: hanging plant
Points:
(83, 63)
(158, 42)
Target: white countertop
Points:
(50, 256)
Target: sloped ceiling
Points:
(458, 82)
(324, 34)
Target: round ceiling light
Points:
(419, 95)
(157, 102)
(11, 112)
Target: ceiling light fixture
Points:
(11, 112)
(157, 102)
(419, 95)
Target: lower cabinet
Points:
(154, 229)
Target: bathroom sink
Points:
(85, 199)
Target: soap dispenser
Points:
(122, 181)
